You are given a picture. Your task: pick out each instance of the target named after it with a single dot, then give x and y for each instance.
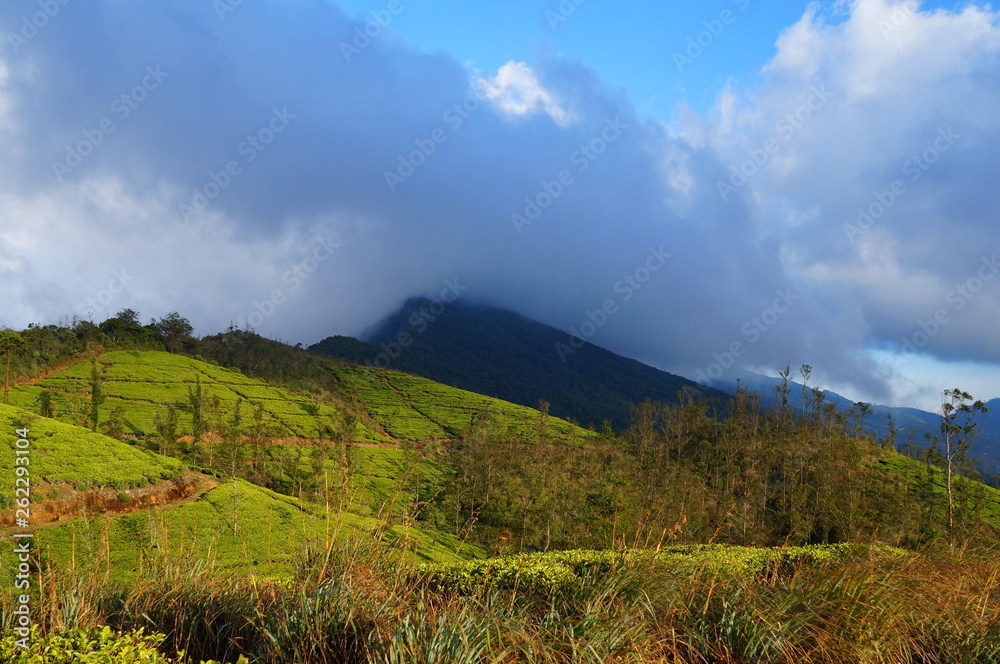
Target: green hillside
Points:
(414, 408)
(235, 527)
(927, 484)
(140, 384)
(62, 453)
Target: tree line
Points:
(696, 472)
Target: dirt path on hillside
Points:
(49, 371)
(73, 504)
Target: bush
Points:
(78, 646)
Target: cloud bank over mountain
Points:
(287, 166)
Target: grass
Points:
(61, 453)
(353, 603)
(418, 409)
(976, 496)
(235, 527)
(143, 383)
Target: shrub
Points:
(78, 646)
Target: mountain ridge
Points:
(503, 354)
(442, 341)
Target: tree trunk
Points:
(6, 378)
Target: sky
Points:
(703, 187)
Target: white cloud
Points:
(516, 91)
(912, 99)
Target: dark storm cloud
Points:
(246, 169)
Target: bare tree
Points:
(957, 427)
(10, 342)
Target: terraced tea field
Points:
(65, 454)
(414, 408)
(141, 384)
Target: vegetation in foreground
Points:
(354, 604)
(206, 579)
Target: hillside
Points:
(65, 454)
(71, 472)
(128, 507)
(140, 386)
(314, 506)
(235, 527)
(505, 355)
(377, 448)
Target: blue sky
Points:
(631, 44)
(821, 177)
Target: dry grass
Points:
(354, 603)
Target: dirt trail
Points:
(49, 371)
(73, 504)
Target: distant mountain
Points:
(502, 354)
(991, 421)
(910, 422)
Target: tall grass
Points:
(352, 601)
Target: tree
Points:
(196, 403)
(114, 427)
(45, 405)
(10, 343)
(124, 328)
(806, 371)
(96, 393)
(957, 426)
(165, 421)
(128, 316)
(173, 329)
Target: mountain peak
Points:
(503, 354)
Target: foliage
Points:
(10, 343)
(354, 604)
(174, 330)
(680, 475)
(566, 570)
(96, 646)
(62, 453)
